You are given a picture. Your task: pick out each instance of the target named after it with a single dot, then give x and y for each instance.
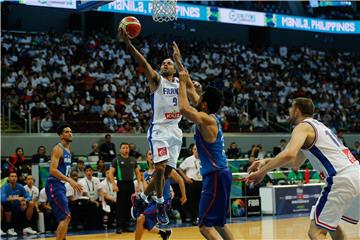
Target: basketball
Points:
(131, 25)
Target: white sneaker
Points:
(11, 232)
(2, 232)
(29, 230)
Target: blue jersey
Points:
(17, 191)
(212, 155)
(64, 164)
(166, 193)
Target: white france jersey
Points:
(165, 102)
(327, 154)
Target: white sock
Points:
(143, 196)
(160, 200)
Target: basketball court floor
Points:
(268, 227)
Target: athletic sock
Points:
(160, 200)
(143, 196)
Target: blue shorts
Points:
(150, 214)
(56, 194)
(215, 197)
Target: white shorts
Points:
(165, 143)
(340, 199)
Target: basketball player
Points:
(60, 167)
(147, 220)
(215, 194)
(312, 140)
(164, 134)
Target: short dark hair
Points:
(305, 105)
(88, 167)
(62, 127)
(124, 143)
(107, 135)
(213, 97)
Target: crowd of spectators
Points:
(93, 83)
(332, 12)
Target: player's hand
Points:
(75, 185)
(188, 180)
(198, 87)
(124, 36)
(183, 76)
(176, 54)
(115, 187)
(183, 200)
(255, 177)
(138, 189)
(256, 165)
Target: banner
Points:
(71, 4)
(296, 199)
(185, 11)
(227, 15)
(312, 24)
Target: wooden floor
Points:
(291, 228)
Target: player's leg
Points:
(315, 232)
(139, 227)
(339, 234)
(209, 233)
(30, 210)
(225, 232)
(62, 228)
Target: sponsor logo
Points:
(172, 115)
(253, 203)
(162, 151)
(349, 155)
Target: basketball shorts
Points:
(56, 195)
(340, 199)
(165, 143)
(215, 197)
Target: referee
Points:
(124, 167)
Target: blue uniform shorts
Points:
(56, 194)
(215, 197)
(150, 214)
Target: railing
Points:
(14, 117)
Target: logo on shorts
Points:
(162, 151)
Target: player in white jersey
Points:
(164, 134)
(310, 139)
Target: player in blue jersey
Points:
(215, 194)
(147, 219)
(60, 167)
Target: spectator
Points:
(110, 122)
(108, 105)
(340, 134)
(79, 168)
(96, 108)
(108, 195)
(81, 209)
(233, 152)
(95, 155)
(40, 157)
(100, 168)
(124, 167)
(259, 123)
(46, 123)
(90, 188)
(45, 208)
(37, 113)
(17, 159)
(245, 124)
(18, 207)
(107, 149)
(133, 152)
(33, 192)
(280, 147)
(189, 169)
(356, 150)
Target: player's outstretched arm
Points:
(199, 118)
(56, 153)
(152, 76)
(290, 155)
(192, 91)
